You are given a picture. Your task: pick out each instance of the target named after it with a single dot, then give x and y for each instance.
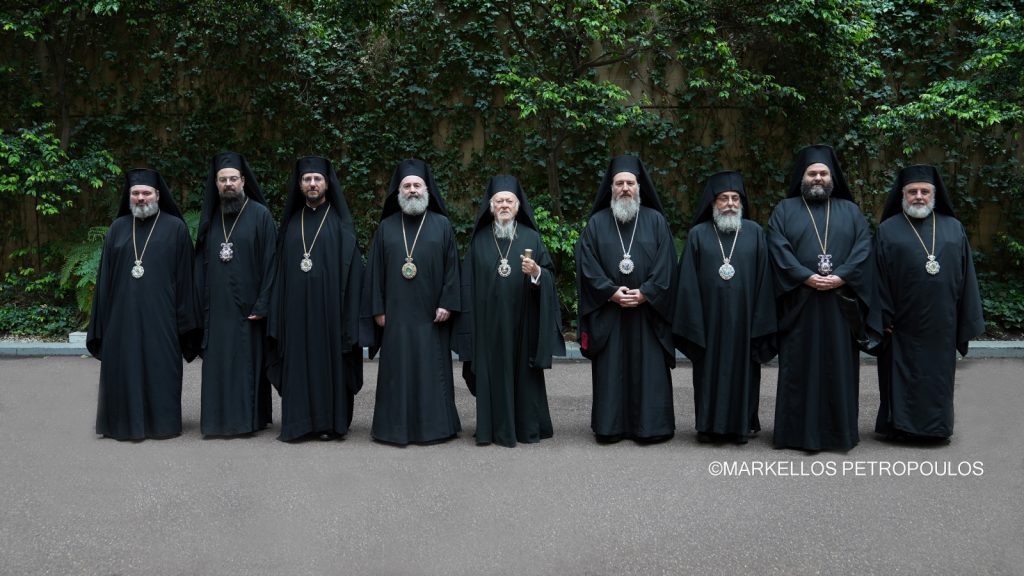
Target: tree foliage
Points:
(544, 89)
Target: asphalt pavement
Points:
(73, 503)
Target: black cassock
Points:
(723, 326)
(415, 388)
(314, 323)
(508, 331)
(819, 361)
(139, 327)
(931, 316)
(236, 392)
(630, 350)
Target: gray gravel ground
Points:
(72, 503)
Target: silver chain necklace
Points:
(726, 270)
(306, 264)
(138, 270)
(932, 265)
(409, 268)
(626, 264)
(226, 252)
(824, 259)
(504, 270)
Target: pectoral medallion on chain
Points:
(726, 271)
(226, 253)
(932, 266)
(408, 269)
(626, 264)
(138, 270)
(504, 270)
(306, 264)
(825, 264)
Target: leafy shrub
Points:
(80, 267)
(1003, 301)
(33, 305)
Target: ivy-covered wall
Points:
(546, 90)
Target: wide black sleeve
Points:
(100, 299)
(970, 317)
(373, 298)
(659, 285)
(462, 342)
(548, 309)
(451, 290)
(266, 237)
(187, 307)
(688, 318)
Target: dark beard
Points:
(232, 204)
(813, 195)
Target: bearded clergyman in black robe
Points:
(625, 268)
(313, 324)
(930, 306)
(234, 275)
(412, 292)
(820, 245)
(725, 311)
(143, 313)
(510, 323)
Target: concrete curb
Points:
(24, 349)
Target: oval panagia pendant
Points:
(626, 264)
(408, 269)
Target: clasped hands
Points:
(819, 282)
(628, 297)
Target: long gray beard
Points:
(413, 206)
(919, 211)
(816, 193)
(506, 230)
(232, 204)
(727, 222)
(146, 210)
(625, 209)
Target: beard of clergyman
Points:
(625, 209)
(145, 211)
(413, 206)
(728, 220)
(816, 192)
(232, 204)
(505, 230)
(918, 211)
